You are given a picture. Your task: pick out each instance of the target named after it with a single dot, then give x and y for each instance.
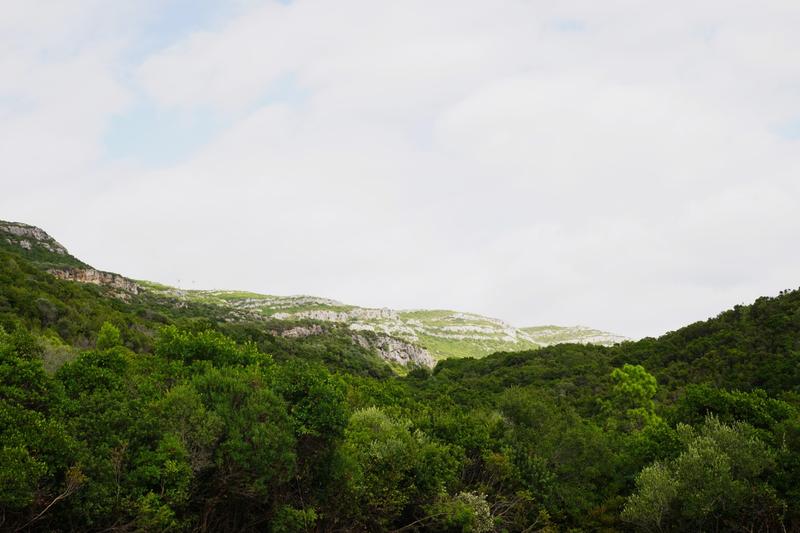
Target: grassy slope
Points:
(443, 333)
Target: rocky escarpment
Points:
(396, 350)
(35, 245)
(547, 335)
(357, 313)
(97, 277)
(387, 348)
(26, 237)
(299, 332)
(40, 248)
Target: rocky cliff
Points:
(35, 245)
(43, 250)
(26, 237)
(97, 277)
(396, 350)
(393, 350)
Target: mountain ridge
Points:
(444, 333)
(37, 245)
(406, 336)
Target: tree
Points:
(715, 483)
(631, 404)
(656, 489)
(37, 454)
(391, 469)
(207, 345)
(467, 512)
(109, 337)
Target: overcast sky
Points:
(632, 166)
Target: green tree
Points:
(631, 404)
(109, 337)
(254, 456)
(467, 512)
(392, 470)
(715, 483)
(206, 345)
(37, 455)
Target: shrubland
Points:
(136, 416)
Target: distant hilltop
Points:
(37, 244)
(442, 333)
(419, 336)
(47, 253)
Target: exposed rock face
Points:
(97, 277)
(387, 348)
(300, 332)
(340, 316)
(23, 234)
(324, 315)
(396, 350)
(575, 334)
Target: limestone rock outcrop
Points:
(97, 277)
(396, 350)
(25, 236)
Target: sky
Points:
(630, 166)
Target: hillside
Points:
(442, 333)
(161, 410)
(403, 338)
(36, 245)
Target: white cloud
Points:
(58, 88)
(619, 171)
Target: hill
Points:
(154, 411)
(442, 333)
(36, 245)
(402, 338)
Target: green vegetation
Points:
(443, 333)
(144, 415)
(547, 335)
(36, 246)
(447, 347)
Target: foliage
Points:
(717, 482)
(466, 511)
(109, 337)
(391, 467)
(156, 418)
